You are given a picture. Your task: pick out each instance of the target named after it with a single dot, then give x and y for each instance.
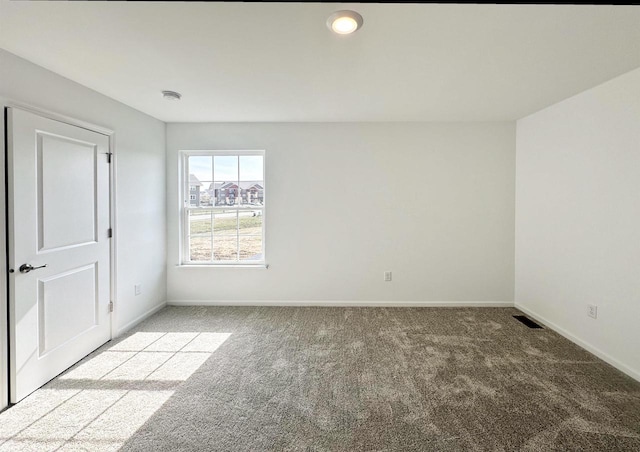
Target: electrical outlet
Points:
(592, 311)
(387, 276)
(137, 289)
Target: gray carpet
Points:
(337, 379)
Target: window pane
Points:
(205, 197)
(225, 168)
(200, 171)
(250, 247)
(200, 167)
(225, 187)
(225, 222)
(225, 235)
(225, 248)
(250, 235)
(251, 180)
(200, 236)
(250, 223)
(226, 193)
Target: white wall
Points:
(140, 148)
(432, 202)
(578, 218)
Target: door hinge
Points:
(109, 154)
(111, 306)
(110, 233)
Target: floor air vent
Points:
(527, 321)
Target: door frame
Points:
(5, 228)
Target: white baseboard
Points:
(339, 303)
(139, 319)
(590, 348)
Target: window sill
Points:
(262, 265)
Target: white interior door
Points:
(59, 251)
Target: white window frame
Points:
(185, 208)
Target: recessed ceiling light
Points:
(344, 22)
(171, 95)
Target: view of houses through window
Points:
(224, 210)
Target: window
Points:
(223, 207)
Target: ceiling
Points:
(279, 62)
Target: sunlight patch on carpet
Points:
(100, 403)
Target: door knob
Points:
(26, 268)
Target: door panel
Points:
(58, 199)
(67, 306)
(67, 207)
